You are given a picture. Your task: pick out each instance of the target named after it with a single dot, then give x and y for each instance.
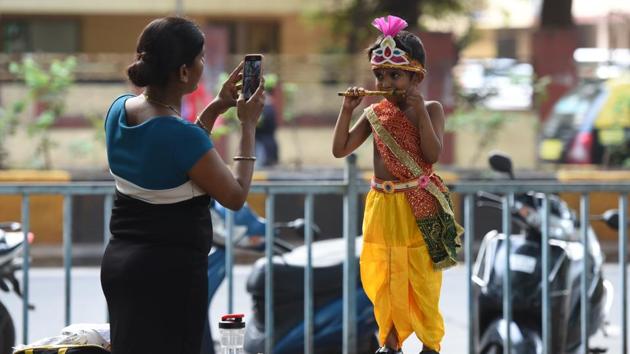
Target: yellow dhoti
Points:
(397, 273)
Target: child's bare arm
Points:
(430, 117)
(346, 140)
(431, 136)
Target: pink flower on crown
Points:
(389, 26)
(387, 51)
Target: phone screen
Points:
(251, 74)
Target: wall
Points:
(111, 34)
(518, 139)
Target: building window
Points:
(587, 36)
(251, 36)
(506, 44)
(261, 37)
(34, 35)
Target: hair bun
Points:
(141, 71)
(163, 47)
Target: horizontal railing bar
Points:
(524, 186)
(304, 188)
(95, 188)
(66, 188)
(327, 187)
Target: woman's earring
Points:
(183, 74)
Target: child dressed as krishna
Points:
(409, 231)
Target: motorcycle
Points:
(566, 254)
(289, 262)
(11, 245)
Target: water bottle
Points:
(232, 333)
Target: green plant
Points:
(47, 88)
(485, 123)
(230, 120)
(84, 147)
(9, 118)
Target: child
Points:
(409, 230)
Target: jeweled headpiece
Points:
(387, 55)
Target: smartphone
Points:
(251, 74)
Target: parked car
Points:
(589, 125)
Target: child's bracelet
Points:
(244, 158)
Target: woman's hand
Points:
(351, 102)
(229, 91)
(249, 111)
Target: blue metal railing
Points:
(351, 188)
(508, 189)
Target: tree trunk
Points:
(409, 10)
(556, 14)
(357, 19)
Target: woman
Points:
(166, 171)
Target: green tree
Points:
(46, 92)
(350, 23)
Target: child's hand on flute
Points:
(353, 97)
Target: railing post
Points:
(623, 242)
(546, 318)
(508, 202)
(469, 222)
(269, 241)
(229, 257)
(584, 223)
(349, 265)
(308, 275)
(26, 217)
(107, 215)
(67, 253)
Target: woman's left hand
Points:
(229, 91)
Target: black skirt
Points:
(154, 275)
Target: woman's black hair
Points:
(163, 47)
(406, 41)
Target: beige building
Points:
(506, 27)
(103, 33)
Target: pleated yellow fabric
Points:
(397, 273)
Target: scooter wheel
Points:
(493, 349)
(7, 331)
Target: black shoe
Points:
(387, 350)
(428, 351)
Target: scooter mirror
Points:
(611, 218)
(501, 163)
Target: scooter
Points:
(289, 263)
(11, 245)
(328, 256)
(249, 231)
(566, 254)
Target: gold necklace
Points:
(146, 97)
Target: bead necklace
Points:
(146, 97)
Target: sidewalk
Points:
(88, 305)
